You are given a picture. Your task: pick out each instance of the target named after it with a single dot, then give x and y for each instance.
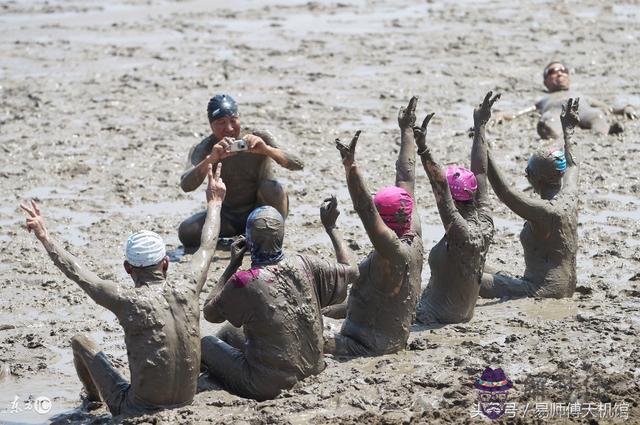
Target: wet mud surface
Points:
(100, 103)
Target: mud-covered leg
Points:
(84, 351)
(232, 336)
(272, 193)
(341, 345)
(593, 119)
(336, 311)
(229, 367)
(499, 286)
(190, 230)
(549, 126)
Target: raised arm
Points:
(103, 292)
(526, 207)
(211, 311)
(211, 229)
(194, 175)
(329, 215)
(446, 208)
(406, 163)
(569, 119)
(264, 144)
(481, 116)
(382, 237)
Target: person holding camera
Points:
(246, 172)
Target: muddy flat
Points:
(101, 101)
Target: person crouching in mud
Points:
(277, 302)
(247, 173)
(593, 114)
(549, 236)
(160, 317)
(382, 302)
(457, 261)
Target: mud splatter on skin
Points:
(389, 280)
(550, 234)
(121, 88)
(161, 330)
(279, 311)
(457, 260)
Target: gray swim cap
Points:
(265, 233)
(544, 165)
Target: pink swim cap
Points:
(391, 200)
(460, 181)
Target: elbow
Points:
(295, 164)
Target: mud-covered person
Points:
(594, 114)
(549, 236)
(160, 317)
(381, 304)
(457, 260)
(247, 174)
(277, 302)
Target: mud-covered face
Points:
(226, 127)
(492, 403)
(556, 77)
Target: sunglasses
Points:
(555, 70)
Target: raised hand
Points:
(238, 248)
(569, 116)
(407, 116)
(420, 133)
(348, 152)
(329, 212)
(216, 188)
(35, 221)
(482, 113)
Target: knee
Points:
(82, 343)
(545, 131)
(273, 193)
(189, 233)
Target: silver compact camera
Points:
(238, 146)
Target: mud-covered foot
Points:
(616, 128)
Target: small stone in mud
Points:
(584, 290)
(418, 344)
(635, 277)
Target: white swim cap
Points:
(144, 249)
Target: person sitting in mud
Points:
(160, 317)
(247, 172)
(457, 261)
(549, 236)
(593, 115)
(382, 302)
(277, 303)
